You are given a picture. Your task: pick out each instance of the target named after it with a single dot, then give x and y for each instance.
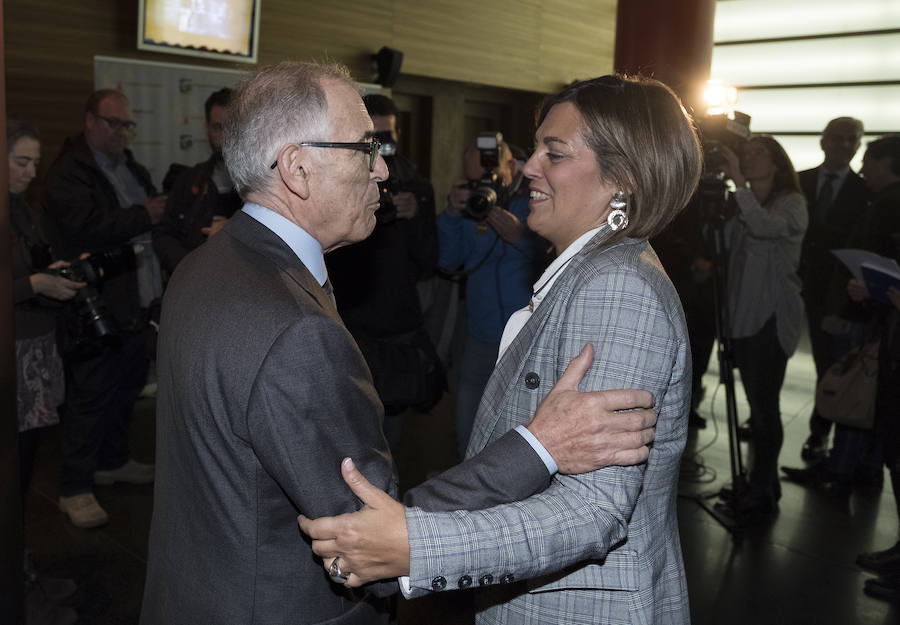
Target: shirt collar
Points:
(105, 161)
(307, 249)
(839, 175)
(551, 273)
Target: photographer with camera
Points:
(483, 232)
(375, 280)
(763, 239)
(99, 199)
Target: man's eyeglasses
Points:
(369, 147)
(115, 123)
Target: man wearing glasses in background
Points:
(97, 198)
(262, 390)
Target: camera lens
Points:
(480, 202)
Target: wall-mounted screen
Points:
(222, 29)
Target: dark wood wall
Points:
(11, 539)
(452, 51)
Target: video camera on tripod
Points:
(717, 131)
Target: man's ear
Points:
(294, 168)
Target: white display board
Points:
(167, 104)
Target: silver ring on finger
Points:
(335, 573)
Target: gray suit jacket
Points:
(262, 392)
(601, 547)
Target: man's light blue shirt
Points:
(307, 249)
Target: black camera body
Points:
(717, 131)
(387, 210)
(90, 326)
(488, 191)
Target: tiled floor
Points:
(799, 570)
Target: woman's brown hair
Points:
(645, 144)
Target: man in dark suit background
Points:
(836, 199)
(262, 390)
(202, 197)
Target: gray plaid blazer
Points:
(601, 547)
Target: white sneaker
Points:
(83, 510)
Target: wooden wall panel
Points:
(530, 45)
(11, 530)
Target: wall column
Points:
(670, 41)
(11, 539)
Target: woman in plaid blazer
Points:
(615, 160)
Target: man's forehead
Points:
(843, 130)
(345, 105)
(114, 103)
(218, 111)
(384, 122)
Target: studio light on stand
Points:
(719, 97)
(722, 126)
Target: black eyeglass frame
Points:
(115, 123)
(370, 147)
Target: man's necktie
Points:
(330, 291)
(826, 197)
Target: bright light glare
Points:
(719, 97)
(810, 61)
(739, 20)
(808, 110)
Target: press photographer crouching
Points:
(375, 280)
(763, 238)
(484, 237)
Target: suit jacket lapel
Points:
(502, 382)
(268, 244)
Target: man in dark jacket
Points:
(98, 198)
(202, 197)
(375, 283)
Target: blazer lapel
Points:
(268, 244)
(503, 381)
(508, 371)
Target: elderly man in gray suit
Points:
(262, 390)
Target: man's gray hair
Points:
(278, 105)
